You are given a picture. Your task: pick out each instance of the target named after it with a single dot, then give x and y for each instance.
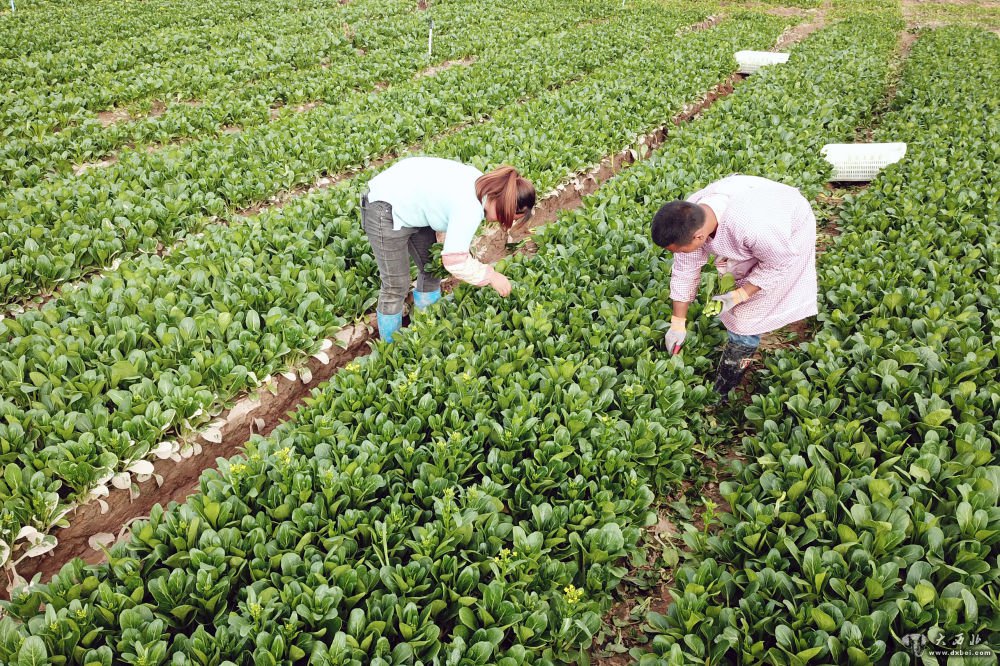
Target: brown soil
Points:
(422, 5)
(797, 33)
(275, 111)
(906, 41)
(109, 118)
(709, 22)
(258, 415)
(80, 168)
(231, 129)
(800, 12)
(447, 64)
(788, 337)
(614, 660)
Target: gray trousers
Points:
(393, 249)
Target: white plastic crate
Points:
(860, 162)
(751, 61)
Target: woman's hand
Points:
(500, 283)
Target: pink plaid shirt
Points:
(766, 236)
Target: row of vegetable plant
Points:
(63, 228)
(241, 86)
(55, 26)
(53, 117)
(159, 345)
(466, 495)
(865, 527)
(66, 70)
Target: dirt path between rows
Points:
(817, 18)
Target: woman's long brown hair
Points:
(513, 194)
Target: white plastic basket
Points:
(860, 162)
(751, 61)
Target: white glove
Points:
(674, 338)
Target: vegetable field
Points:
(521, 480)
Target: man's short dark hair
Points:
(676, 223)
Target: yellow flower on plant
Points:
(284, 455)
(504, 556)
(237, 468)
(573, 595)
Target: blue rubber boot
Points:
(424, 299)
(388, 324)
